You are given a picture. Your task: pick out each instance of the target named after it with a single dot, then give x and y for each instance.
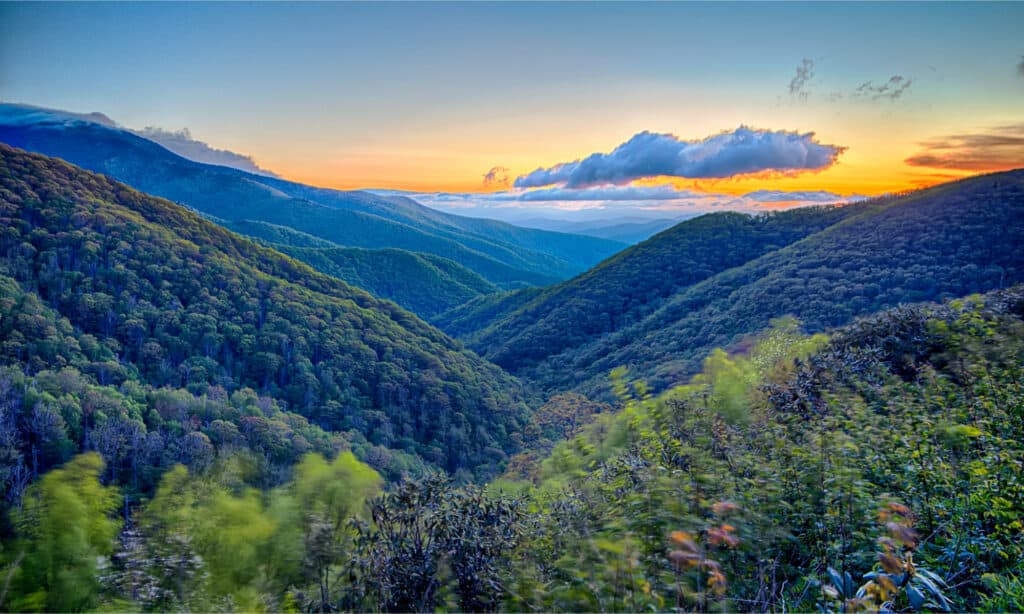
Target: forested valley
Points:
(813, 410)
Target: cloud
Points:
(606, 193)
(182, 143)
(806, 196)
(804, 73)
(1000, 148)
(648, 154)
(891, 89)
(14, 114)
(614, 201)
(497, 176)
(1020, 67)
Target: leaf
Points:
(915, 596)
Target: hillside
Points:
(422, 283)
(503, 254)
(631, 285)
(945, 241)
(144, 290)
(878, 469)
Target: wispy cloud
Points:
(182, 143)
(1000, 148)
(804, 73)
(1020, 67)
(740, 152)
(496, 177)
(616, 201)
(802, 196)
(891, 89)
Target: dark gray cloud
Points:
(1020, 67)
(182, 143)
(804, 73)
(497, 176)
(648, 154)
(1000, 148)
(891, 89)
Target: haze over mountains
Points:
(505, 255)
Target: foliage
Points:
(67, 532)
(422, 283)
(633, 284)
(920, 405)
(128, 288)
(638, 309)
(425, 536)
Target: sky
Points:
(545, 105)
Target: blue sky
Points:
(428, 97)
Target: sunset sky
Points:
(431, 97)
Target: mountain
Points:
(851, 466)
(660, 316)
(519, 332)
(627, 232)
(142, 290)
(625, 229)
(425, 284)
(503, 254)
(422, 283)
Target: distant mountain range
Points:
(661, 306)
(505, 255)
(626, 229)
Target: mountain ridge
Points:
(510, 256)
(183, 301)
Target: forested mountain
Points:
(422, 283)
(628, 232)
(501, 253)
(876, 470)
(879, 469)
(525, 327)
(132, 290)
(945, 241)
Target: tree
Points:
(68, 527)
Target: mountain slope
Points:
(160, 292)
(424, 284)
(634, 283)
(501, 253)
(815, 455)
(946, 241)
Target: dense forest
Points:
(815, 410)
(505, 255)
(634, 283)
(879, 468)
(126, 287)
(661, 306)
(425, 284)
